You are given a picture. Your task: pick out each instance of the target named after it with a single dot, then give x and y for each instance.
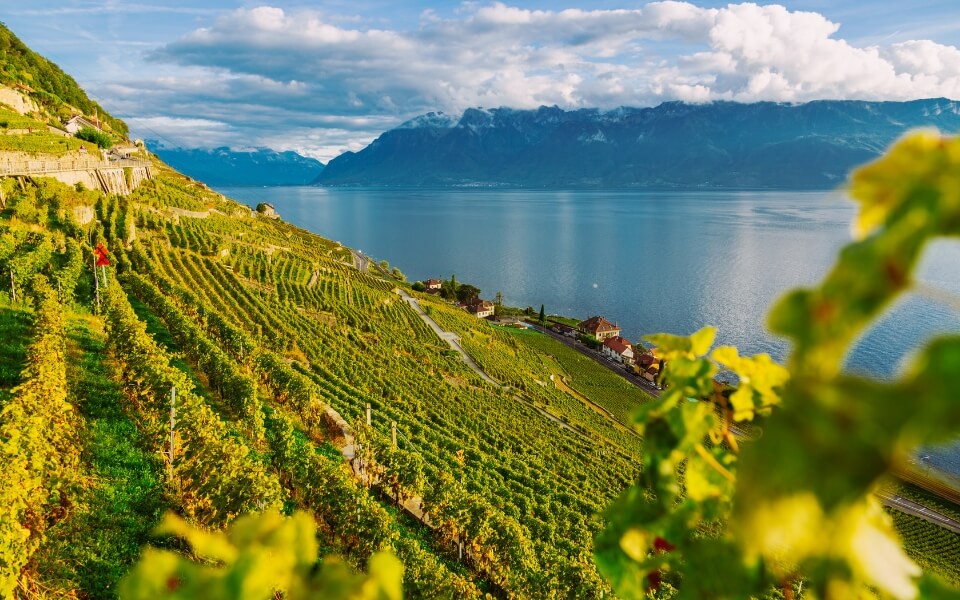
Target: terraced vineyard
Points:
(32, 137)
(260, 326)
(268, 292)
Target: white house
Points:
(618, 348)
(481, 308)
(78, 122)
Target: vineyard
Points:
(24, 134)
(214, 382)
(252, 330)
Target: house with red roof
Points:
(647, 366)
(481, 308)
(599, 328)
(619, 349)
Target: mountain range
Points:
(223, 166)
(716, 145)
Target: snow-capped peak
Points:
(431, 119)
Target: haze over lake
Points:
(670, 261)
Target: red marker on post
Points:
(101, 252)
(102, 260)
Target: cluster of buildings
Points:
(478, 307)
(614, 346)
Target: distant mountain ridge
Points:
(716, 145)
(223, 166)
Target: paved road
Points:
(450, 337)
(360, 262)
(918, 510)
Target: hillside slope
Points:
(718, 145)
(274, 324)
(47, 84)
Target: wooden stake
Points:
(393, 432)
(13, 287)
(368, 414)
(173, 422)
(96, 280)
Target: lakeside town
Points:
(596, 332)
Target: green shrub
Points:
(89, 134)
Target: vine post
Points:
(368, 414)
(96, 281)
(173, 417)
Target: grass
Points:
(92, 549)
(565, 320)
(15, 331)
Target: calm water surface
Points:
(650, 261)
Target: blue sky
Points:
(324, 77)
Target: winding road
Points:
(450, 337)
(360, 262)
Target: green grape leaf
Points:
(882, 186)
(257, 557)
(760, 380)
(671, 347)
(213, 546)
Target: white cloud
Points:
(296, 66)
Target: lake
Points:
(669, 261)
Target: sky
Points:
(324, 77)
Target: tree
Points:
(449, 287)
(418, 286)
(543, 316)
(661, 369)
(467, 292)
